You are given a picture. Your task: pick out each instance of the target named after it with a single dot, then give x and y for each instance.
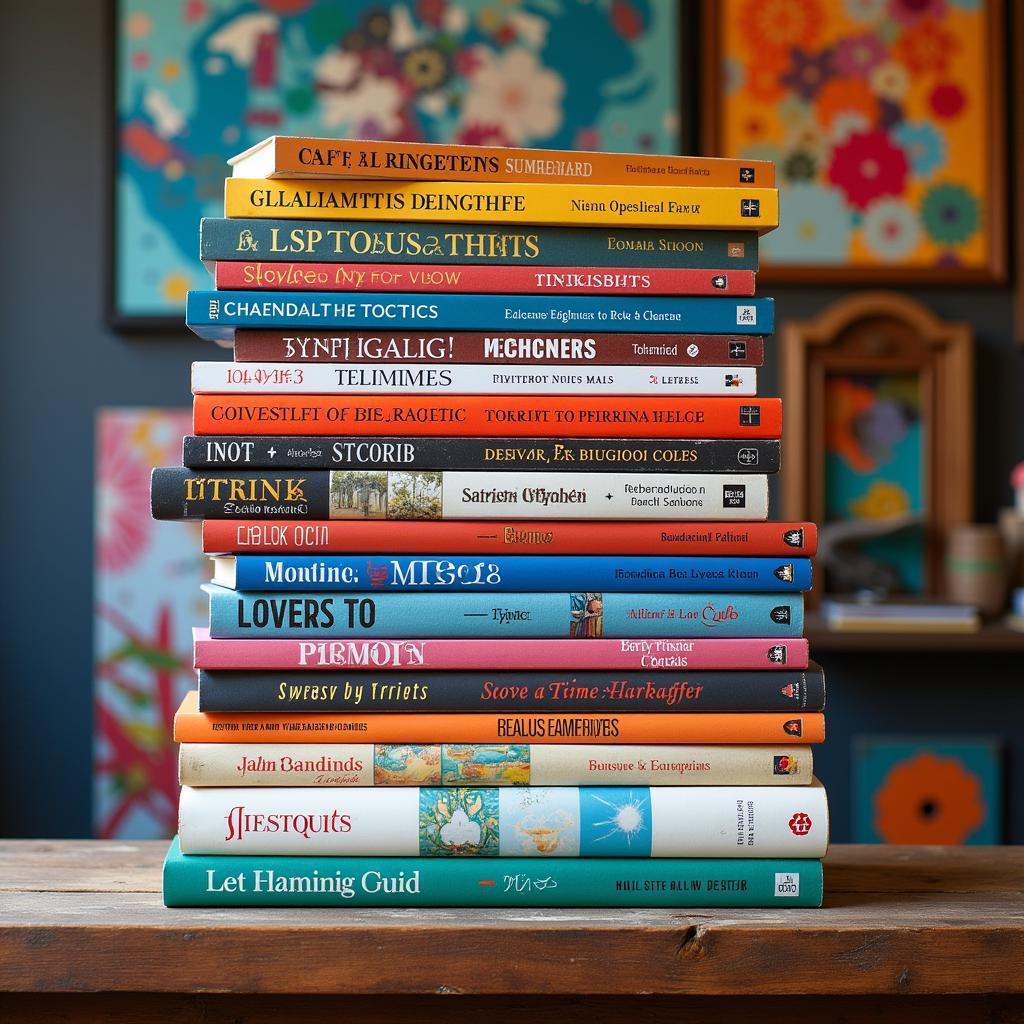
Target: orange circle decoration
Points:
(929, 799)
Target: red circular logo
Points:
(800, 824)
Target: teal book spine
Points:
(230, 881)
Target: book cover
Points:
(665, 206)
(598, 349)
(401, 241)
(288, 156)
(511, 821)
(232, 881)
(529, 537)
(488, 416)
(501, 573)
(504, 691)
(583, 615)
(194, 726)
(622, 455)
(178, 493)
(706, 652)
(470, 379)
(216, 314)
(492, 764)
(452, 278)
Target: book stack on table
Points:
(497, 616)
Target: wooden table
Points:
(914, 934)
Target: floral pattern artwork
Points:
(942, 790)
(201, 80)
(147, 599)
(875, 112)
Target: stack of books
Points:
(497, 615)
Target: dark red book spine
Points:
(367, 346)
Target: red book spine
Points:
(299, 346)
(487, 416)
(518, 538)
(397, 277)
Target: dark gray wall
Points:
(61, 363)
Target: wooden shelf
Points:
(899, 924)
(991, 638)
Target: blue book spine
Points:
(216, 314)
(577, 615)
(472, 574)
(233, 881)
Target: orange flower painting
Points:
(944, 792)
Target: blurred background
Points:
(899, 145)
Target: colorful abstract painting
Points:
(406, 765)
(877, 114)
(147, 599)
(485, 764)
(540, 822)
(927, 789)
(874, 471)
(458, 822)
(201, 80)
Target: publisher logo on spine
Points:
(781, 615)
(733, 380)
(787, 884)
(746, 315)
(794, 727)
(747, 457)
(750, 207)
(720, 281)
(800, 824)
(734, 496)
(246, 243)
(784, 573)
(692, 350)
(794, 538)
(735, 250)
(214, 309)
(747, 175)
(750, 415)
(783, 764)
(777, 654)
(737, 350)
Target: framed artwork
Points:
(879, 439)
(945, 790)
(886, 120)
(147, 576)
(198, 81)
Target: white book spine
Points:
(603, 495)
(468, 379)
(520, 821)
(333, 765)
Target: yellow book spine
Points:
(752, 209)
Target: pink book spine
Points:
(390, 277)
(572, 655)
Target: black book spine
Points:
(509, 691)
(181, 494)
(619, 455)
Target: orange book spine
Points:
(360, 158)
(487, 416)
(194, 726)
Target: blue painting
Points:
(199, 81)
(615, 822)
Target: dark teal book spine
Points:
(215, 315)
(229, 881)
(369, 242)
